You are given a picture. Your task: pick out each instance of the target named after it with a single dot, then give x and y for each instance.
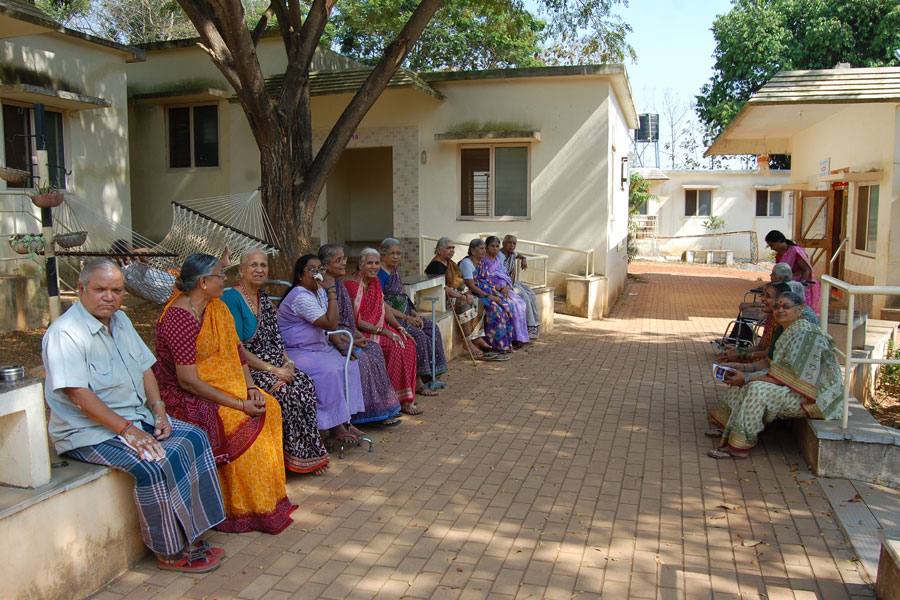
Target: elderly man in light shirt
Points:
(105, 409)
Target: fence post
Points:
(848, 360)
(823, 304)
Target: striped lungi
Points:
(177, 498)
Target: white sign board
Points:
(824, 167)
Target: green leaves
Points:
(758, 38)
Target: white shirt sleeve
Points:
(467, 269)
(309, 307)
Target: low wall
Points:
(73, 535)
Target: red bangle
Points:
(126, 428)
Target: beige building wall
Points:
(573, 167)
(733, 199)
(861, 137)
(95, 140)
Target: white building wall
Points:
(95, 140)
(733, 199)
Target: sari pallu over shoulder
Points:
(805, 361)
(218, 364)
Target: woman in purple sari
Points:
(492, 274)
(380, 399)
(419, 327)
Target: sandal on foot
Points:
(355, 432)
(725, 453)
(714, 433)
(411, 409)
(392, 422)
(346, 438)
(425, 391)
(196, 561)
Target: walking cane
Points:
(347, 385)
(434, 384)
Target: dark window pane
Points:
(16, 140)
(56, 159)
(475, 169)
(206, 136)
(704, 203)
(862, 217)
(179, 137)
(690, 203)
(511, 181)
(762, 203)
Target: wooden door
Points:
(814, 223)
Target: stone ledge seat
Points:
(887, 583)
(710, 255)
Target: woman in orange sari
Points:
(380, 326)
(204, 379)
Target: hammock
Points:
(208, 225)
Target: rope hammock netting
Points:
(237, 222)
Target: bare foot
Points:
(410, 408)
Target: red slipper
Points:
(196, 561)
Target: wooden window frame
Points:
(491, 206)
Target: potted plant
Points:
(14, 176)
(47, 196)
(70, 239)
(27, 243)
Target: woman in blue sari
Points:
(498, 328)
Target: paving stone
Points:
(578, 468)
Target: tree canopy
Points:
(759, 38)
(463, 35)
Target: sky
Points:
(674, 45)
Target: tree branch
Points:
(262, 24)
(340, 134)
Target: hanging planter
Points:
(14, 176)
(27, 243)
(72, 239)
(49, 200)
(762, 163)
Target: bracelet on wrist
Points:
(268, 368)
(157, 403)
(128, 426)
(242, 405)
(746, 378)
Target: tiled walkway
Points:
(575, 470)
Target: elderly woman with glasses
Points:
(803, 380)
(271, 367)
(381, 402)
(204, 379)
(308, 310)
(421, 329)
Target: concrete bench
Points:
(24, 461)
(837, 328)
(887, 584)
(419, 286)
(727, 256)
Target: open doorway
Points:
(360, 199)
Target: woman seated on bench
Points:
(804, 380)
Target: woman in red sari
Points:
(380, 326)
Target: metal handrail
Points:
(589, 263)
(424, 258)
(851, 291)
(838, 251)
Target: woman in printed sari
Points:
(510, 258)
(306, 312)
(272, 369)
(491, 276)
(803, 380)
(378, 324)
(379, 397)
(204, 379)
(469, 313)
(498, 330)
(419, 328)
(789, 252)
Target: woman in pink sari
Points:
(786, 251)
(380, 326)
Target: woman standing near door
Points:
(787, 251)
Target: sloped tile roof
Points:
(837, 86)
(349, 80)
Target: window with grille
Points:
(494, 181)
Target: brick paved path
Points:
(575, 470)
